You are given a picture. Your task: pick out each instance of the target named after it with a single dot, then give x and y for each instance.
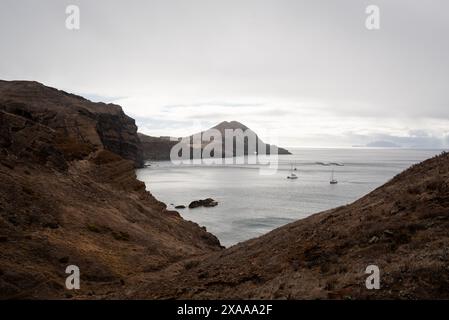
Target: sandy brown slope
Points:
(403, 227)
(64, 201)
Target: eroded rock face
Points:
(23, 140)
(99, 125)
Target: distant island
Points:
(379, 144)
(158, 148)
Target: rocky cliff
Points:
(66, 198)
(97, 125)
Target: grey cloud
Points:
(151, 125)
(227, 51)
(212, 103)
(99, 98)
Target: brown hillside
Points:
(64, 201)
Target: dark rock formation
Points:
(93, 125)
(180, 207)
(209, 202)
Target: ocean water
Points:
(251, 203)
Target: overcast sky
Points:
(301, 73)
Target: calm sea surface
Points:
(252, 203)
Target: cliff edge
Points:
(97, 125)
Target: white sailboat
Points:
(333, 181)
(292, 175)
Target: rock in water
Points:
(209, 202)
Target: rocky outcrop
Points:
(155, 148)
(400, 227)
(209, 202)
(66, 198)
(95, 125)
